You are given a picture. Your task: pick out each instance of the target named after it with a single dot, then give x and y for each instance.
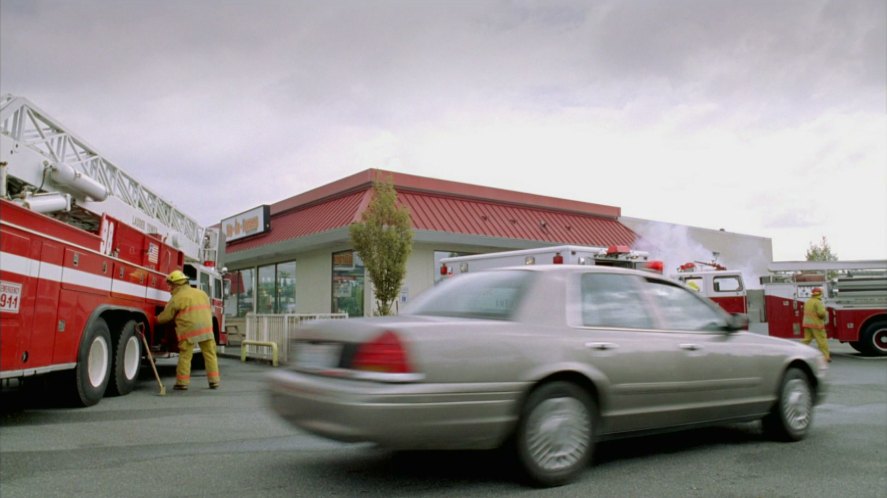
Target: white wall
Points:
(314, 281)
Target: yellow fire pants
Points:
(210, 360)
(821, 340)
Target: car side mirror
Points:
(737, 321)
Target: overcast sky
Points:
(764, 117)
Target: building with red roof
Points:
(296, 256)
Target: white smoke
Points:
(671, 244)
(676, 245)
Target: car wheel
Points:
(792, 414)
(127, 361)
(874, 338)
(555, 433)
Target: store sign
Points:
(345, 259)
(248, 223)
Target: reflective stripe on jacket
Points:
(814, 314)
(191, 310)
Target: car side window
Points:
(613, 300)
(681, 309)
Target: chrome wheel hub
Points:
(797, 404)
(558, 433)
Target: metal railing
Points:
(262, 329)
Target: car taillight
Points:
(383, 354)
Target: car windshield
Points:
(493, 295)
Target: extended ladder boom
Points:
(53, 153)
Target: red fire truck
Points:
(714, 281)
(84, 252)
(854, 292)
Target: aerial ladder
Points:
(48, 167)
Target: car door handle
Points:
(690, 347)
(600, 346)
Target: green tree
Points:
(384, 239)
(821, 251)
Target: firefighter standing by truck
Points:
(814, 322)
(192, 312)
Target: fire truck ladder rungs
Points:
(24, 122)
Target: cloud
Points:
(759, 117)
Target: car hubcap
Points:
(558, 433)
(797, 404)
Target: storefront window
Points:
(286, 287)
(240, 292)
(266, 293)
(348, 283)
(275, 293)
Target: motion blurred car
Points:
(544, 361)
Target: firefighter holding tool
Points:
(815, 316)
(191, 310)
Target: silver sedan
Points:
(544, 360)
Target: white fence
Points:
(276, 329)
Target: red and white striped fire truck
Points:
(714, 281)
(854, 293)
(84, 252)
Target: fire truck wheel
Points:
(874, 338)
(792, 414)
(93, 370)
(857, 345)
(127, 361)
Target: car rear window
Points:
(492, 295)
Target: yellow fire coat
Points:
(191, 310)
(814, 314)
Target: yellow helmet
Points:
(177, 277)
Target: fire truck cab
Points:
(716, 282)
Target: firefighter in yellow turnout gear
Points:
(192, 312)
(815, 317)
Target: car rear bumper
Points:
(400, 416)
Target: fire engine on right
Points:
(854, 292)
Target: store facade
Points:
(295, 256)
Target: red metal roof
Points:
(438, 205)
(478, 217)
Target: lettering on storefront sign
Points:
(247, 224)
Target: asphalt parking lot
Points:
(226, 443)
